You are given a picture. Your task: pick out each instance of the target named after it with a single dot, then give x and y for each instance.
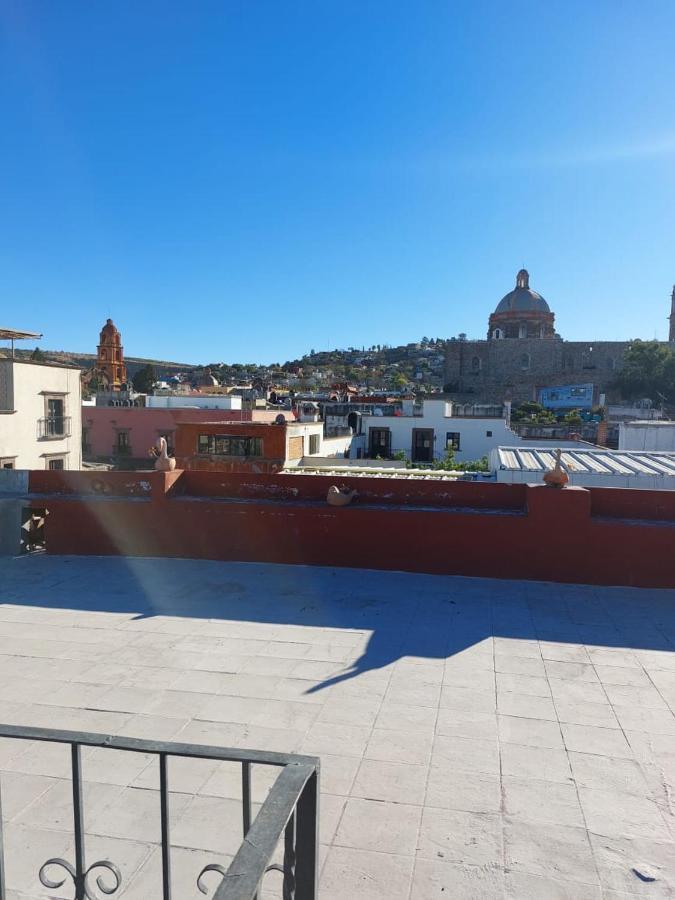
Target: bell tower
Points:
(110, 357)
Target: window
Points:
(525, 361)
(498, 334)
(223, 445)
(7, 462)
(314, 443)
(55, 421)
(380, 442)
(522, 331)
(488, 434)
(452, 440)
(123, 441)
(55, 465)
(475, 364)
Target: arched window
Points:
(475, 364)
(498, 334)
(542, 331)
(522, 331)
(525, 361)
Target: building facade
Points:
(523, 354)
(123, 435)
(425, 435)
(647, 435)
(40, 415)
(252, 446)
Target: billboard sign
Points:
(567, 396)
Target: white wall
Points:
(208, 401)
(23, 401)
(478, 436)
(647, 436)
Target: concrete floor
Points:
(478, 738)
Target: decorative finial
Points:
(523, 279)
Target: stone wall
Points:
(496, 370)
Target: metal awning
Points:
(11, 334)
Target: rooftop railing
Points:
(290, 811)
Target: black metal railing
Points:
(53, 427)
(289, 811)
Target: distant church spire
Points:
(523, 279)
(671, 335)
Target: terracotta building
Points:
(246, 446)
(110, 357)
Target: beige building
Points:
(40, 415)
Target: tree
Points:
(144, 379)
(648, 371)
(573, 417)
(38, 355)
(532, 413)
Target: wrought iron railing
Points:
(289, 811)
(53, 427)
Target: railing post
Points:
(78, 821)
(2, 858)
(166, 838)
(307, 841)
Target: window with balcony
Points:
(55, 424)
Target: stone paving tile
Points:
(515, 742)
(379, 826)
(550, 851)
(438, 879)
(449, 788)
(395, 782)
(530, 732)
(349, 873)
(535, 762)
(464, 838)
(602, 741)
(520, 885)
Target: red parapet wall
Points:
(461, 528)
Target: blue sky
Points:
(247, 180)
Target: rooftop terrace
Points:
(477, 738)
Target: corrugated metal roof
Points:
(590, 461)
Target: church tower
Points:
(110, 359)
(671, 333)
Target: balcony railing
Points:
(289, 811)
(53, 427)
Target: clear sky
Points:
(247, 180)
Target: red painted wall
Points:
(503, 531)
(273, 447)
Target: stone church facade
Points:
(523, 353)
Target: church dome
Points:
(523, 298)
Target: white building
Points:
(425, 434)
(596, 467)
(647, 435)
(195, 401)
(40, 415)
